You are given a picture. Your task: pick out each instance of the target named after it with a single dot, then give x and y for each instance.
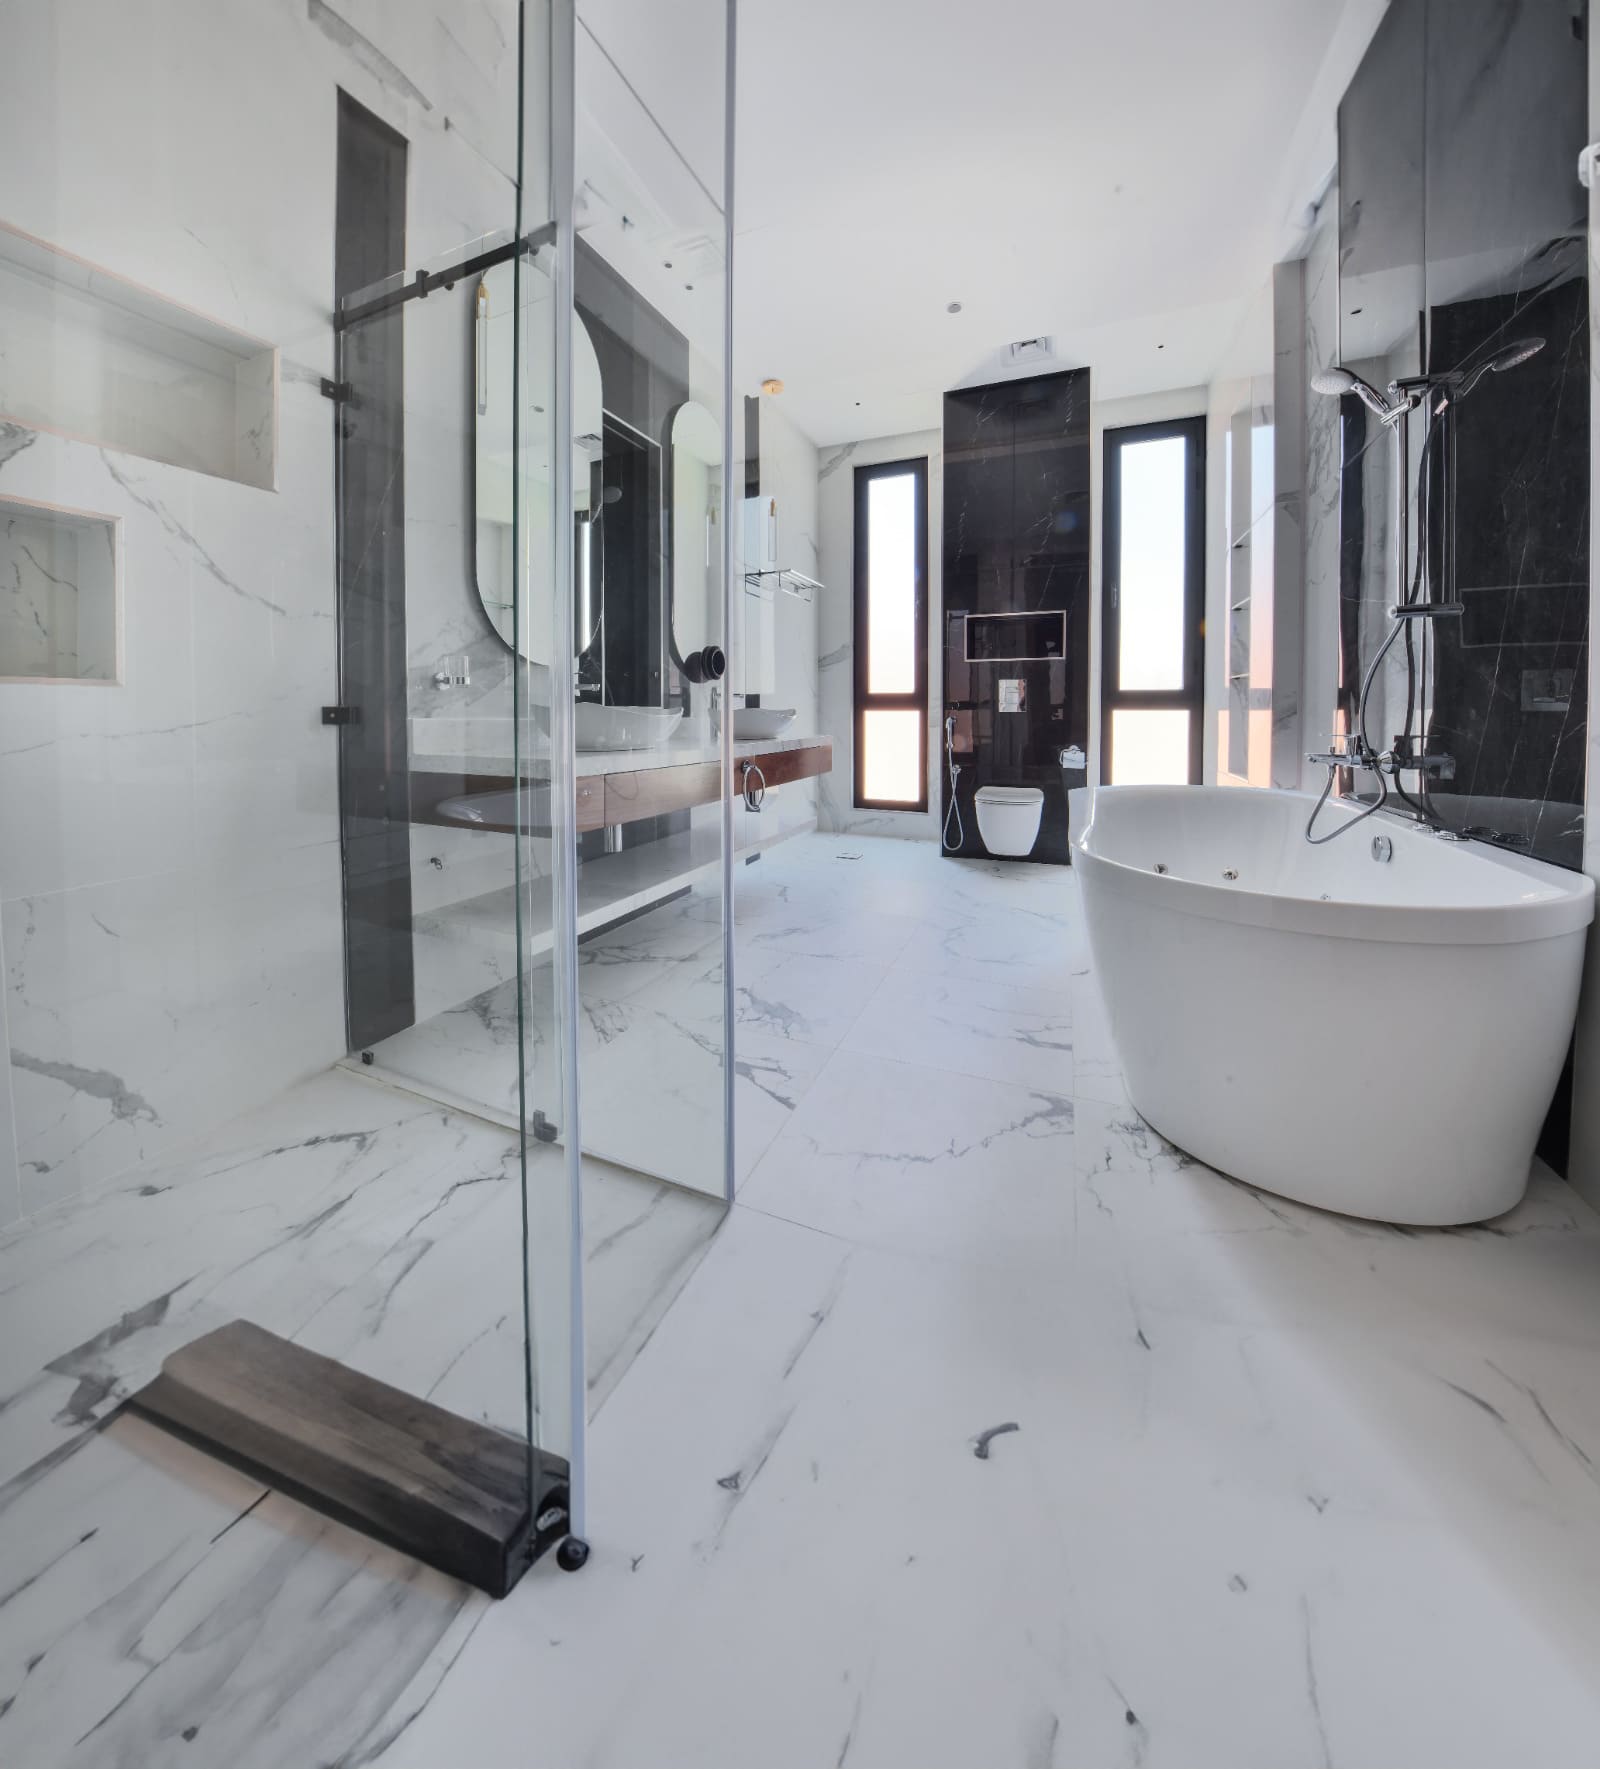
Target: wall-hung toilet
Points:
(1008, 819)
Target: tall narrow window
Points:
(891, 648)
(1153, 660)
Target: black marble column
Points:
(1016, 540)
(374, 760)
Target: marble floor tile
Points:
(1010, 1031)
(922, 1159)
(1209, 1551)
(1285, 1488)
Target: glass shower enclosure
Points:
(365, 779)
(539, 939)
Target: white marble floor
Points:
(156, 1607)
(1285, 1489)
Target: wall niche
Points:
(87, 354)
(60, 612)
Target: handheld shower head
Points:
(1513, 354)
(1509, 356)
(1337, 381)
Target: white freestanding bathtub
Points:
(1378, 1037)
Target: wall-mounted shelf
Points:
(60, 606)
(87, 354)
(792, 583)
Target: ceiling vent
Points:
(1030, 350)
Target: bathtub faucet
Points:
(1359, 754)
(1404, 757)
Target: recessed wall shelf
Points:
(87, 354)
(60, 606)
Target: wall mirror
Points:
(494, 398)
(694, 498)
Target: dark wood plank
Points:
(448, 1490)
(651, 792)
(783, 765)
(624, 797)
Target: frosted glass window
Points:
(892, 585)
(1150, 566)
(893, 763)
(1150, 746)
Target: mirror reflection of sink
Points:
(761, 721)
(624, 727)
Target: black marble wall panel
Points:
(1016, 539)
(374, 762)
(1494, 238)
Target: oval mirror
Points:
(494, 338)
(694, 498)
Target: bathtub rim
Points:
(1570, 908)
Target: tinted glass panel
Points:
(1149, 748)
(892, 585)
(1151, 562)
(893, 759)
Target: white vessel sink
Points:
(624, 727)
(761, 721)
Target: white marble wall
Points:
(836, 630)
(789, 472)
(169, 868)
(1321, 499)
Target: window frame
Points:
(917, 700)
(1190, 697)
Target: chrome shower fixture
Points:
(1512, 356)
(1336, 382)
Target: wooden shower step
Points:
(450, 1491)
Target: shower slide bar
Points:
(426, 281)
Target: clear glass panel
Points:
(653, 695)
(892, 585)
(265, 825)
(1150, 746)
(1150, 566)
(893, 766)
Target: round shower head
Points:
(1507, 357)
(1337, 381)
(1333, 381)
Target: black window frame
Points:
(917, 700)
(1191, 696)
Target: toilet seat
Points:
(1010, 795)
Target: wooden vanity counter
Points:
(622, 788)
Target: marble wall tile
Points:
(1462, 232)
(1322, 423)
(1015, 538)
(170, 878)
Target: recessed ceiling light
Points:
(772, 385)
(954, 307)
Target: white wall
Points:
(789, 473)
(170, 896)
(836, 630)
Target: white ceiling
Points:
(1118, 174)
